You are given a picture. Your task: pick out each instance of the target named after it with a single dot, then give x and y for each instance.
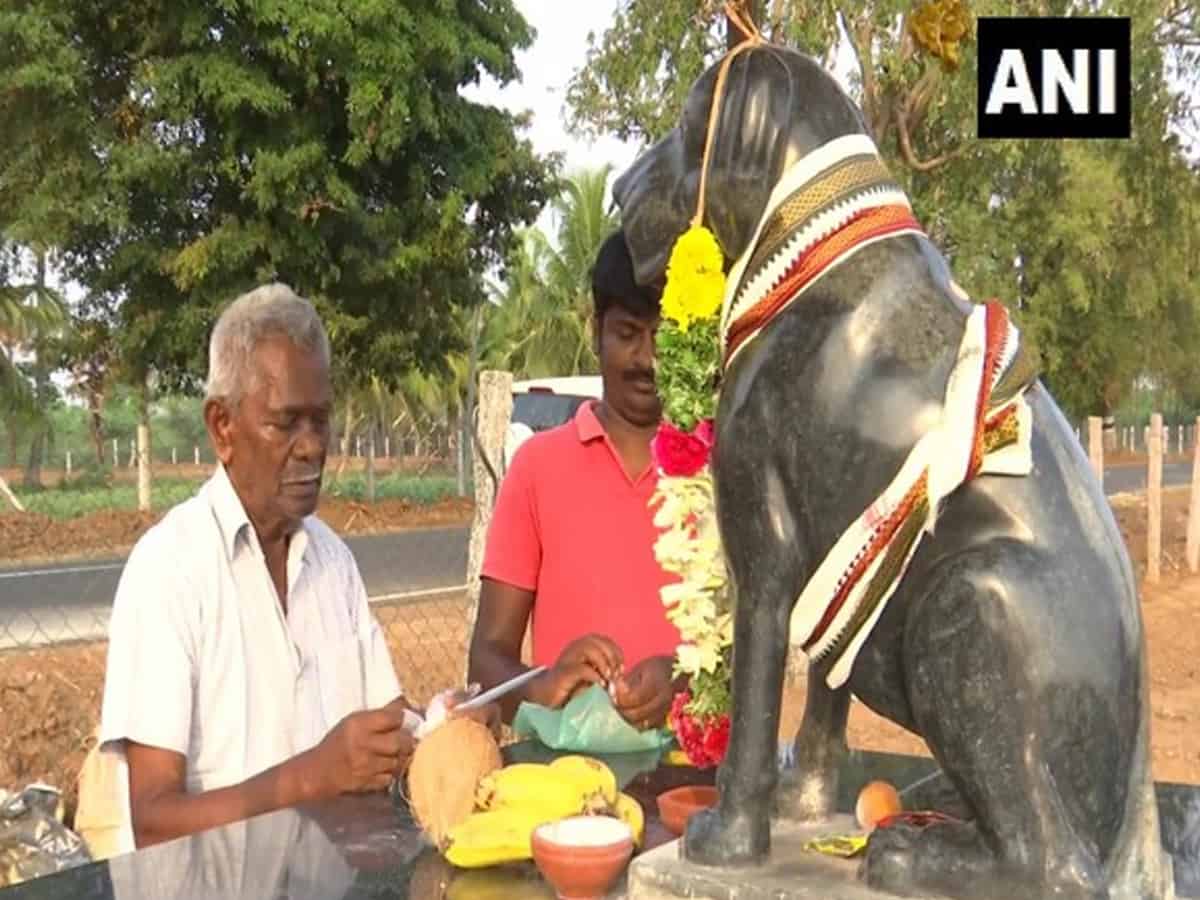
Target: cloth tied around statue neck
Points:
(829, 205)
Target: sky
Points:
(546, 68)
(559, 48)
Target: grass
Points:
(70, 502)
(73, 501)
(422, 490)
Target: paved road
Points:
(1133, 478)
(47, 603)
(65, 601)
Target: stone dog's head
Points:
(778, 106)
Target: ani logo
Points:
(1054, 78)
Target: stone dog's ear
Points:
(657, 194)
(778, 105)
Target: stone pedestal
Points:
(791, 873)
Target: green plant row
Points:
(73, 500)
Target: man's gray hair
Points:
(273, 309)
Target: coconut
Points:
(444, 772)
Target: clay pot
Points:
(583, 856)
(676, 806)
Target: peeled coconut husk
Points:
(445, 770)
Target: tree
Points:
(1094, 226)
(86, 353)
(29, 310)
(31, 315)
(325, 145)
(637, 74)
(543, 323)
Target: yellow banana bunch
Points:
(532, 788)
(492, 837)
(594, 781)
(629, 811)
(511, 802)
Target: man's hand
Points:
(591, 659)
(643, 697)
(594, 650)
(364, 751)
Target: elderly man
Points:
(245, 670)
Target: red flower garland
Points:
(680, 453)
(704, 741)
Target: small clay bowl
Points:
(677, 805)
(583, 856)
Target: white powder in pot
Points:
(586, 831)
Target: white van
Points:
(543, 403)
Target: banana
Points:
(592, 778)
(500, 883)
(532, 788)
(514, 800)
(629, 811)
(490, 838)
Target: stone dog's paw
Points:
(716, 838)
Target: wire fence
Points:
(1178, 439)
(52, 679)
(54, 615)
(431, 445)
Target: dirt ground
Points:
(50, 699)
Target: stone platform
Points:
(792, 873)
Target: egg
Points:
(876, 801)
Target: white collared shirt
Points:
(203, 661)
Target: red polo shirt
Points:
(573, 527)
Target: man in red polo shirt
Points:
(572, 536)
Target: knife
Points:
(504, 687)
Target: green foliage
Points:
(422, 490)
(1146, 398)
(176, 422)
(711, 690)
(67, 504)
(93, 491)
(1104, 231)
(687, 371)
(639, 71)
(31, 313)
(193, 149)
(89, 478)
(542, 325)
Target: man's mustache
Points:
(639, 375)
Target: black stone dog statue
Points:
(1013, 644)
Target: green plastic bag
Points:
(587, 724)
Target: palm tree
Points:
(545, 308)
(536, 323)
(29, 311)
